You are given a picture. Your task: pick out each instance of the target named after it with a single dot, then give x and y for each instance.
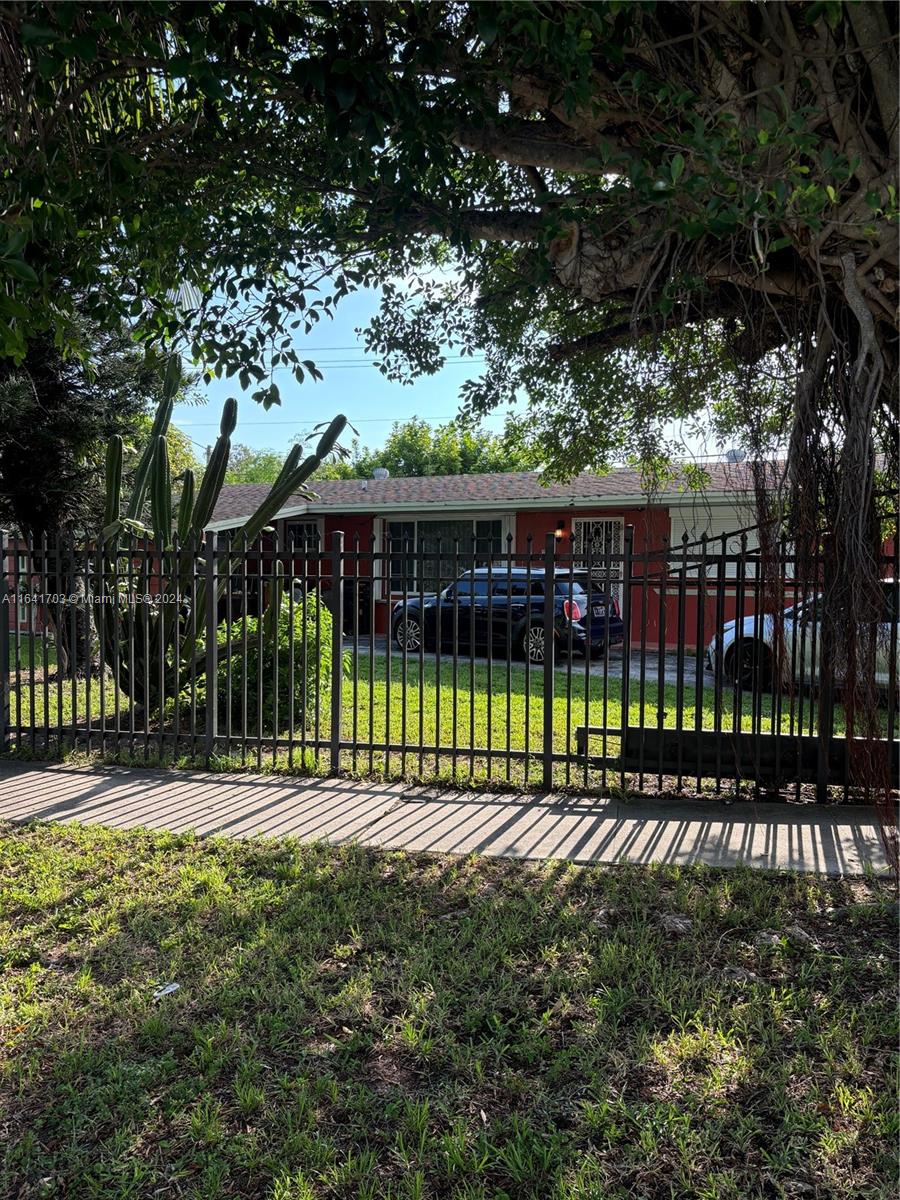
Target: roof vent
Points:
(380, 473)
(735, 456)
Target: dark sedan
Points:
(504, 610)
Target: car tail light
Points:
(571, 610)
(614, 604)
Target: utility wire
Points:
(310, 424)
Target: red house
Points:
(425, 513)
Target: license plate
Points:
(599, 610)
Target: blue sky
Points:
(360, 391)
(352, 386)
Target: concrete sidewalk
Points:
(837, 841)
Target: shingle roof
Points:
(239, 500)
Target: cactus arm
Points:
(161, 495)
(329, 438)
(142, 474)
(112, 508)
(170, 386)
(186, 506)
(228, 423)
(291, 479)
(172, 377)
(273, 608)
(211, 484)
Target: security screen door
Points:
(594, 539)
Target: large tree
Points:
(56, 417)
(632, 208)
(621, 189)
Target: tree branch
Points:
(530, 144)
(598, 341)
(496, 225)
(772, 283)
(877, 47)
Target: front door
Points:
(598, 549)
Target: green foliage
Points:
(262, 666)
(247, 465)
(170, 633)
(57, 416)
(575, 189)
(414, 448)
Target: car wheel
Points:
(749, 665)
(408, 634)
(533, 644)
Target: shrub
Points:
(256, 668)
(308, 629)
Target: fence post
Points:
(626, 637)
(337, 645)
(826, 726)
(212, 648)
(7, 605)
(549, 656)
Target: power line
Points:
(370, 358)
(363, 365)
(361, 421)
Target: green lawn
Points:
(26, 649)
(492, 709)
(361, 1024)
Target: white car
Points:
(746, 648)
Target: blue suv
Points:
(503, 609)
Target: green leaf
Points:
(13, 308)
(345, 92)
(37, 35)
(19, 269)
(15, 244)
(129, 163)
(211, 87)
(83, 47)
(677, 167)
(487, 25)
(813, 13)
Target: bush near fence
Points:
(279, 678)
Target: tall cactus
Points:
(166, 645)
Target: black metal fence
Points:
(691, 668)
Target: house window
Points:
(401, 545)
(303, 535)
(488, 538)
(425, 555)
